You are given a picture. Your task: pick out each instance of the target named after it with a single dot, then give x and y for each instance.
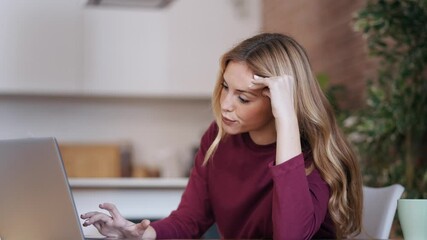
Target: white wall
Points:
(60, 70)
(153, 127)
(41, 45)
(51, 46)
(174, 50)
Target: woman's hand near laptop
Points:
(116, 226)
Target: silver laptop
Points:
(35, 197)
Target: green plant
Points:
(333, 92)
(390, 133)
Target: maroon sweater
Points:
(248, 196)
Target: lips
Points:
(228, 121)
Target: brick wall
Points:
(325, 29)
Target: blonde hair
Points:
(273, 54)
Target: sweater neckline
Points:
(252, 145)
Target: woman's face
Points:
(244, 109)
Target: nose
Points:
(227, 104)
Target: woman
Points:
(274, 164)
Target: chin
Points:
(231, 130)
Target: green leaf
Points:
(394, 120)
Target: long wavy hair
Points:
(273, 54)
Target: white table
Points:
(136, 198)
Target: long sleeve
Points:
(300, 202)
(248, 197)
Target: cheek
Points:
(260, 112)
(222, 97)
(265, 113)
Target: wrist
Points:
(150, 233)
(287, 123)
(288, 139)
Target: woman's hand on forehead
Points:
(280, 90)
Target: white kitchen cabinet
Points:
(200, 32)
(126, 51)
(65, 47)
(172, 51)
(41, 46)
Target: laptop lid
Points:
(35, 197)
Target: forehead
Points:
(237, 72)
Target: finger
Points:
(256, 77)
(143, 226)
(266, 92)
(98, 225)
(145, 223)
(258, 85)
(265, 80)
(89, 214)
(111, 208)
(258, 82)
(98, 218)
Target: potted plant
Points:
(390, 132)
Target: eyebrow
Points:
(243, 91)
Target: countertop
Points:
(146, 183)
(136, 198)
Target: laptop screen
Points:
(35, 198)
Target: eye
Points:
(243, 100)
(224, 85)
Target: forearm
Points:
(288, 139)
(300, 202)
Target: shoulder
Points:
(212, 130)
(209, 136)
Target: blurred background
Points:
(125, 85)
